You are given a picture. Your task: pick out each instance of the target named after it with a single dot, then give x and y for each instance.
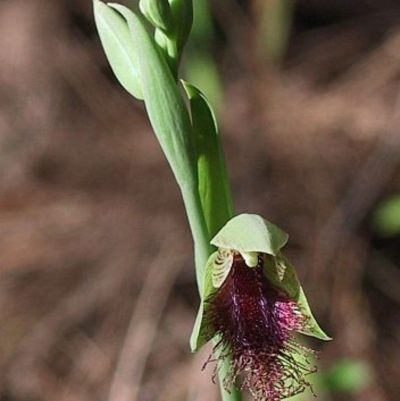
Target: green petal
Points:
(250, 233)
(221, 267)
(281, 274)
(118, 46)
(197, 338)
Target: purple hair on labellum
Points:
(252, 320)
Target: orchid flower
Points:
(252, 304)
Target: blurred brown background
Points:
(97, 292)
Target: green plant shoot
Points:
(251, 298)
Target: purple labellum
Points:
(253, 320)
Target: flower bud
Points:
(158, 12)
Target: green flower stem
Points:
(198, 228)
(234, 394)
(214, 194)
(203, 249)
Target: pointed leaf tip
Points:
(281, 274)
(117, 43)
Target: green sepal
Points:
(281, 274)
(118, 46)
(197, 338)
(158, 12)
(164, 104)
(251, 233)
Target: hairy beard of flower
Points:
(252, 320)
